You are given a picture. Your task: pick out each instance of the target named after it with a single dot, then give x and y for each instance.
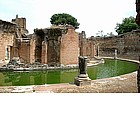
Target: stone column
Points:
(32, 51)
(138, 22)
(82, 67)
(44, 53)
(98, 49)
(138, 77)
(115, 55)
(82, 78)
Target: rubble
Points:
(16, 65)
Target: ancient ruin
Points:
(138, 22)
(138, 77)
(138, 12)
(59, 46)
(14, 40)
(56, 46)
(82, 78)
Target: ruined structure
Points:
(56, 46)
(138, 22)
(87, 46)
(14, 41)
(127, 45)
(138, 76)
(7, 40)
(138, 12)
(61, 45)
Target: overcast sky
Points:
(93, 15)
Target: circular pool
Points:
(110, 68)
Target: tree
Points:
(63, 19)
(100, 33)
(110, 34)
(127, 25)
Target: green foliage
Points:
(110, 34)
(63, 19)
(127, 25)
(100, 33)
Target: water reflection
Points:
(36, 78)
(109, 69)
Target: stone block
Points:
(82, 81)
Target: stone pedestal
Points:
(82, 81)
(82, 78)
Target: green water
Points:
(110, 68)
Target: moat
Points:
(110, 68)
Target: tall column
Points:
(32, 51)
(138, 77)
(138, 22)
(115, 54)
(44, 53)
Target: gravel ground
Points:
(122, 84)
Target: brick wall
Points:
(44, 53)
(32, 50)
(53, 41)
(7, 30)
(24, 52)
(69, 51)
(87, 46)
(127, 45)
(21, 22)
(6, 40)
(11, 42)
(59, 45)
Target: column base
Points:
(82, 81)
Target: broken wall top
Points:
(53, 32)
(7, 27)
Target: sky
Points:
(93, 15)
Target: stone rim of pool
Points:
(134, 61)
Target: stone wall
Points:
(62, 44)
(69, 51)
(138, 12)
(21, 25)
(14, 41)
(32, 50)
(138, 22)
(7, 36)
(6, 41)
(127, 45)
(53, 41)
(87, 46)
(56, 45)
(7, 27)
(24, 52)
